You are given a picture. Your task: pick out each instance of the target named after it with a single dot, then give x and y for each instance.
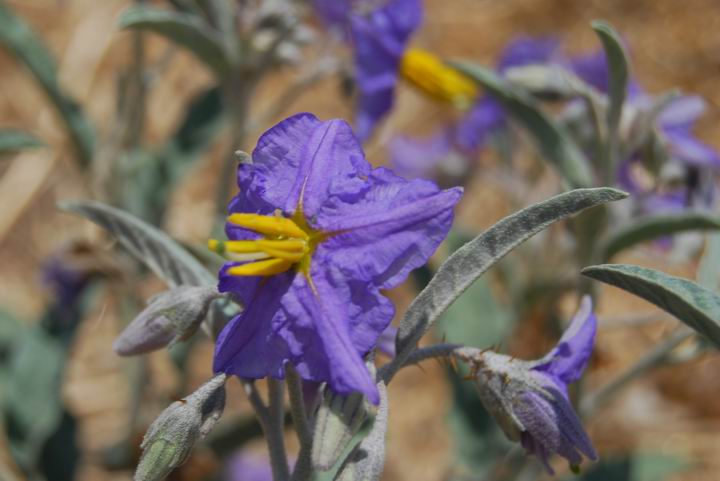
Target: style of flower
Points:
(315, 234)
(379, 34)
(529, 399)
(483, 116)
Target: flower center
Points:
(285, 243)
(431, 76)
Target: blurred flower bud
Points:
(171, 316)
(171, 437)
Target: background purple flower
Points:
(324, 314)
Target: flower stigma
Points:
(431, 76)
(286, 242)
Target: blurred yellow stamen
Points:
(268, 225)
(431, 76)
(268, 267)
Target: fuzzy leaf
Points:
(691, 303)
(652, 227)
(185, 30)
(20, 40)
(708, 273)
(12, 141)
(618, 73)
(366, 461)
(552, 139)
(469, 262)
(153, 247)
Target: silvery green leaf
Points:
(691, 303)
(618, 72)
(469, 262)
(188, 31)
(367, 459)
(153, 247)
(552, 139)
(25, 45)
(12, 140)
(708, 272)
(337, 420)
(549, 82)
(652, 227)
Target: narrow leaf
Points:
(553, 141)
(691, 303)
(469, 262)
(366, 461)
(19, 39)
(185, 30)
(153, 247)
(618, 76)
(12, 141)
(656, 226)
(708, 272)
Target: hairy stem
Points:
(272, 426)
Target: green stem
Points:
(303, 467)
(271, 424)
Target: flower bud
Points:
(170, 316)
(171, 437)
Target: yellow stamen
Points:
(268, 225)
(287, 245)
(430, 75)
(268, 267)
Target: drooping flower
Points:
(529, 399)
(315, 233)
(378, 33)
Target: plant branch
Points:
(303, 467)
(649, 360)
(272, 431)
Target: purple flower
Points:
(380, 39)
(529, 399)
(316, 233)
(485, 117)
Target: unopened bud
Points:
(171, 316)
(171, 437)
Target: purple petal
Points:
(570, 357)
(323, 329)
(302, 156)
(380, 39)
(386, 343)
(685, 147)
(484, 118)
(333, 13)
(593, 69)
(414, 157)
(682, 111)
(247, 466)
(393, 227)
(667, 202)
(527, 51)
(554, 425)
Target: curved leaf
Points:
(691, 303)
(553, 141)
(656, 226)
(185, 30)
(469, 262)
(618, 76)
(28, 48)
(12, 140)
(153, 247)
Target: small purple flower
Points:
(379, 40)
(316, 233)
(529, 399)
(378, 33)
(472, 131)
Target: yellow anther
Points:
(268, 225)
(268, 267)
(430, 75)
(290, 249)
